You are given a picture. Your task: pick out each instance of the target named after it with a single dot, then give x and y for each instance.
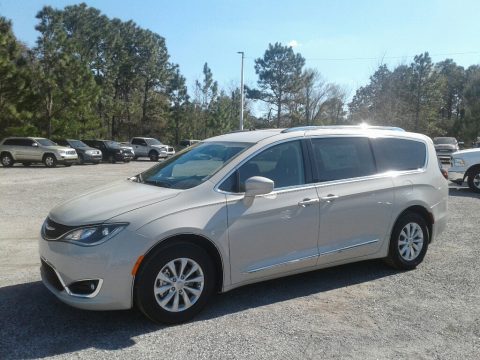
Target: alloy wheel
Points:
(179, 285)
(410, 241)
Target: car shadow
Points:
(34, 324)
(462, 192)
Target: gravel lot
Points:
(358, 311)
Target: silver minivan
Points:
(242, 208)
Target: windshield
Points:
(77, 143)
(153, 142)
(444, 140)
(193, 166)
(46, 142)
(112, 144)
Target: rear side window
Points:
(343, 158)
(26, 142)
(12, 142)
(399, 154)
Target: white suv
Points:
(242, 208)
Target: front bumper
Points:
(67, 159)
(109, 263)
(456, 174)
(92, 158)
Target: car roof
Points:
(255, 136)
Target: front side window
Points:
(192, 167)
(281, 163)
(399, 154)
(77, 144)
(339, 158)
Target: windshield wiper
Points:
(158, 183)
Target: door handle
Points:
(329, 198)
(308, 202)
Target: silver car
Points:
(30, 150)
(242, 208)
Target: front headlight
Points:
(90, 152)
(93, 235)
(458, 162)
(62, 152)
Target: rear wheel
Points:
(175, 283)
(409, 242)
(50, 161)
(81, 160)
(474, 180)
(7, 160)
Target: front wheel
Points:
(50, 161)
(474, 180)
(408, 242)
(175, 283)
(111, 159)
(153, 155)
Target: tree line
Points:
(92, 76)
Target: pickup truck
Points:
(465, 164)
(151, 148)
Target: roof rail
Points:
(366, 127)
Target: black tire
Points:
(50, 161)
(395, 257)
(81, 160)
(26, 164)
(135, 158)
(111, 159)
(126, 160)
(146, 279)
(474, 180)
(96, 162)
(7, 160)
(153, 155)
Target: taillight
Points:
(444, 172)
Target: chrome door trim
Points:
(289, 262)
(349, 247)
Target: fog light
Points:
(83, 287)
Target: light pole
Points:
(241, 91)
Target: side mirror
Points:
(35, 144)
(258, 185)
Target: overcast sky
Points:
(344, 40)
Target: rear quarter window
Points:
(399, 154)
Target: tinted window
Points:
(281, 163)
(136, 141)
(343, 158)
(25, 142)
(12, 142)
(399, 154)
(46, 142)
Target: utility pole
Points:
(241, 91)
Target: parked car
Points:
(86, 154)
(111, 150)
(466, 165)
(242, 208)
(445, 147)
(151, 148)
(30, 150)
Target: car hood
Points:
(475, 151)
(101, 204)
(58, 147)
(159, 146)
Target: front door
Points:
(274, 233)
